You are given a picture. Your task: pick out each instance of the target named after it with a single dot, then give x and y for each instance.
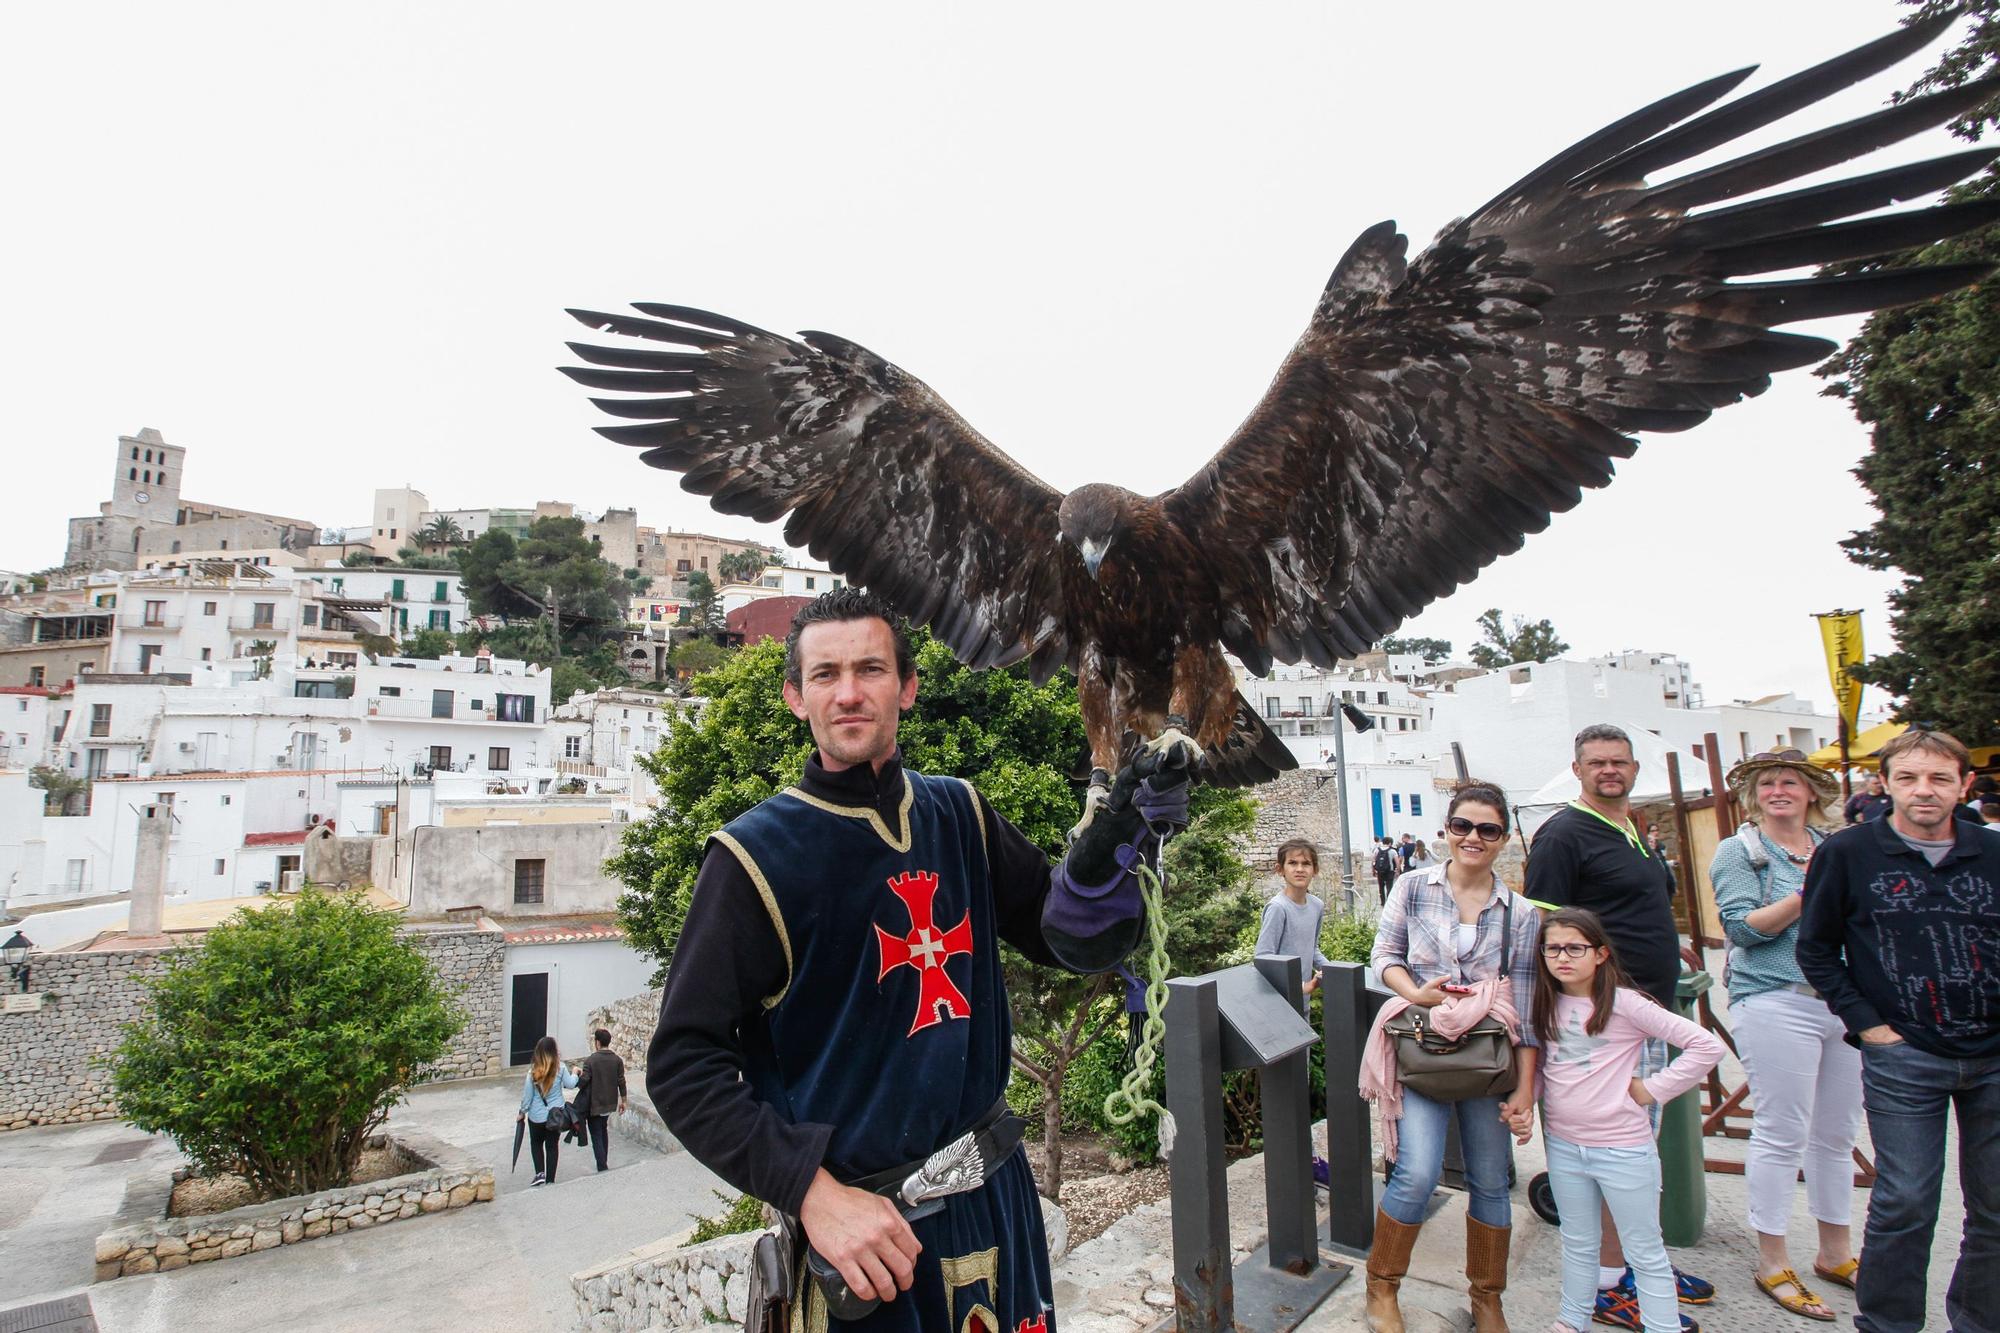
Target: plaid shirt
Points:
(1417, 932)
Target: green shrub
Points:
(275, 1048)
(740, 1214)
(1349, 938)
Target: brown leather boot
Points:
(1486, 1272)
(1388, 1260)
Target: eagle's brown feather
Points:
(1434, 413)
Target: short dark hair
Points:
(1602, 731)
(603, 1036)
(1286, 848)
(848, 603)
(1484, 793)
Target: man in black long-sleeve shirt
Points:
(834, 1009)
(1900, 935)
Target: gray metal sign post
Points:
(1246, 1017)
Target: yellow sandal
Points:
(1843, 1275)
(1804, 1303)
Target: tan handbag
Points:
(1476, 1063)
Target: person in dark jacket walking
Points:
(1900, 936)
(604, 1077)
(1387, 867)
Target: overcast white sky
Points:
(327, 248)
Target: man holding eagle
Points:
(1493, 378)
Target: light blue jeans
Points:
(1420, 1136)
(1628, 1181)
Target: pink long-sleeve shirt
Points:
(1586, 1081)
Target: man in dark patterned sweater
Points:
(1900, 935)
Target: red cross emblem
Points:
(924, 950)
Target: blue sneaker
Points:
(1322, 1173)
(1692, 1290)
(1618, 1306)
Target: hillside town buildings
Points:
(234, 673)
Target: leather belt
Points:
(919, 1189)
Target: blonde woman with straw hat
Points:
(1805, 1080)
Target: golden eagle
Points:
(1434, 413)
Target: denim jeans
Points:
(1907, 1093)
(1627, 1181)
(1420, 1137)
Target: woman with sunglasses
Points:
(1444, 934)
(1805, 1080)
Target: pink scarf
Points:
(1380, 1081)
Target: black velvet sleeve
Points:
(728, 961)
(1020, 872)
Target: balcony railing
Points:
(252, 625)
(132, 621)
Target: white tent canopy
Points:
(1651, 752)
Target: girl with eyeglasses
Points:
(1452, 933)
(1592, 1026)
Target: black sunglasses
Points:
(1464, 827)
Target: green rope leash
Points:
(1128, 1101)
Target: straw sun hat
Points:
(1742, 779)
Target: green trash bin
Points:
(1683, 1189)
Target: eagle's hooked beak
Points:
(1093, 554)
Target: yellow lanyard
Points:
(1631, 833)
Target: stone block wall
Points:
(143, 1239)
(630, 1022)
(50, 1053)
(472, 962)
(665, 1287)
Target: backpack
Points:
(1385, 862)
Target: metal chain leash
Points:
(1129, 1100)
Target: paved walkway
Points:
(498, 1266)
(1725, 1256)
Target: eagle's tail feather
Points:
(1251, 755)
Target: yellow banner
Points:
(1840, 633)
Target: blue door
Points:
(1375, 808)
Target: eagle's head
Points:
(1091, 519)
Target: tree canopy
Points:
(275, 1048)
(1014, 740)
(1925, 379)
(1431, 650)
(743, 566)
(704, 607)
(1518, 641)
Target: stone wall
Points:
(50, 1053)
(665, 1287)
(630, 1022)
(143, 1239)
(472, 962)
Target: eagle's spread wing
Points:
(883, 481)
(1436, 412)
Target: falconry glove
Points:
(1094, 916)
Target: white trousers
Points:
(1805, 1088)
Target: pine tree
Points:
(1926, 380)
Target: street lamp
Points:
(15, 954)
(1362, 722)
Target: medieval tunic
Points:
(841, 953)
